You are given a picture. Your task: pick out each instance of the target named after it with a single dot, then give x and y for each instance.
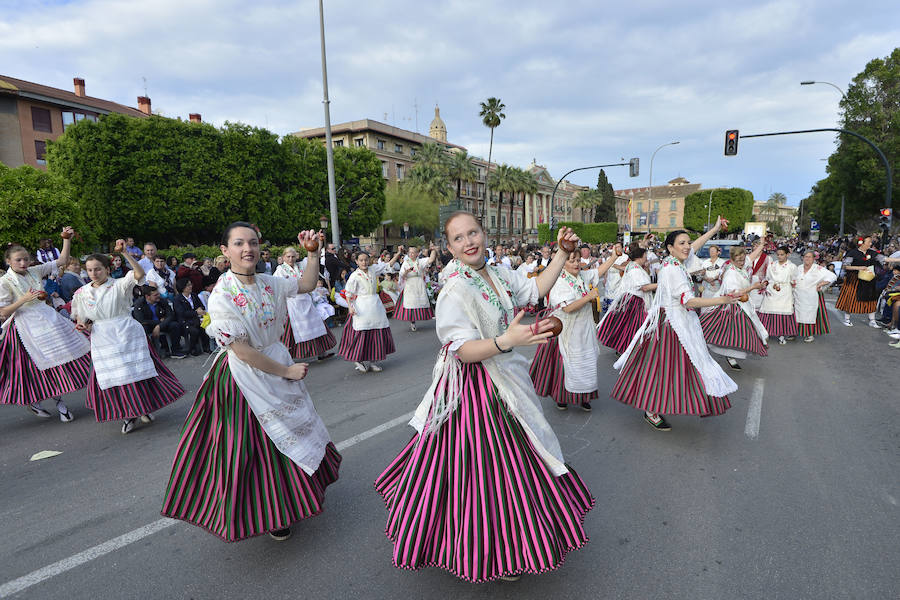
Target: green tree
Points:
(406, 203)
(491, 114)
(502, 179)
(735, 204)
(527, 184)
(605, 211)
(461, 168)
(431, 173)
(587, 200)
(38, 205)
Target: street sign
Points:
(813, 225)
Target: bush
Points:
(591, 233)
(208, 251)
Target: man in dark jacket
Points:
(266, 264)
(188, 311)
(190, 269)
(158, 318)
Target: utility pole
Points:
(842, 216)
(329, 150)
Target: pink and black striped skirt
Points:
(365, 345)
(134, 399)
(821, 326)
(548, 374)
(229, 478)
(401, 313)
(660, 378)
(776, 325)
(310, 348)
(21, 382)
(475, 498)
(619, 327)
(728, 326)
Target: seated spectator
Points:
(158, 318)
(117, 270)
(162, 278)
(188, 311)
(190, 269)
(208, 284)
(266, 264)
(46, 251)
(172, 263)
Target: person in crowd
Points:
(162, 277)
(631, 301)
(333, 265)
(159, 322)
(528, 265)
(810, 312)
(190, 269)
(500, 259)
(266, 264)
(172, 263)
(757, 269)
(150, 253)
(481, 440)
(667, 368)
(615, 274)
(41, 354)
(71, 279)
(252, 416)
(858, 293)
(189, 312)
(305, 334)
(220, 265)
(209, 283)
(413, 304)
(128, 378)
(711, 273)
(776, 312)
(117, 268)
(389, 285)
(206, 266)
(366, 338)
(131, 249)
(733, 330)
(46, 251)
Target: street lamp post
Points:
(650, 200)
(709, 209)
(329, 151)
(844, 96)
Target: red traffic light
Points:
(886, 212)
(732, 135)
(731, 142)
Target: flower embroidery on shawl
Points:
(487, 292)
(263, 309)
(240, 300)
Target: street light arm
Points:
(826, 83)
(560, 180)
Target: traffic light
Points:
(731, 142)
(634, 167)
(885, 218)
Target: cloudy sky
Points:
(584, 82)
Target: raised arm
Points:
(700, 241)
(754, 255)
(307, 282)
(136, 269)
(66, 251)
(397, 256)
(606, 266)
(549, 275)
(433, 256)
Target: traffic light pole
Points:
(558, 181)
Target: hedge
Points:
(592, 233)
(213, 251)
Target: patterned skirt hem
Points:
(401, 313)
(822, 325)
(310, 348)
(847, 301)
(728, 326)
(365, 345)
(776, 324)
(548, 375)
(619, 327)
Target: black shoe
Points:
(562, 406)
(280, 535)
(178, 355)
(660, 424)
(734, 364)
(586, 406)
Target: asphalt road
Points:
(806, 504)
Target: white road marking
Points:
(58, 568)
(755, 409)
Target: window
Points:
(672, 221)
(398, 148)
(493, 220)
(70, 117)
(412, 152)
(399, 171)
(673, 205)
(40, 119)
(503, 221)
(384, 169)
(640, 208)
(337, 142)
(655, 206)
(40, 149)
(479, 172)
(380, 144)
(360, 142)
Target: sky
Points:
(584, 82)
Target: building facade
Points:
(781, 218)
(31, 114)
(660, 208)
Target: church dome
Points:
(438, 130)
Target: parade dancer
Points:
(367, 334)
(128, 378)
(666, 368)
(859, 294)
(614, 275)
(305, 334)
(777, 310)
(254, 456)
(41, 354)
(809, 301)
(632, 300)
(482, 489)
(735, 330)
(413, 304)
(565, 368)
(711, 274)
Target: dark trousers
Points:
(197, 340)
(168, 329)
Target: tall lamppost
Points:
(708, 209)
(650, 201)
(329, 151)
(844, 96)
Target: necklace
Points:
(481, 268)
(244, 274)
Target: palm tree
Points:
(770, 209)
(527, 185)
(502, 180)
(461, 168)
(587, 200)
(491, 114)
(431, 174)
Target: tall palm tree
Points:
(502, 180)
(491, 114)
(430, 173)
(586, 200)
(769, 211)
(527, 185)
(461, 168)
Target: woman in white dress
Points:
(367, 334)
(777, 309)
(711, 273)
(809, 301)
(305, 334)
(631, 301)
(128, 378)
(413, 304)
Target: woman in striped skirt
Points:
(809, 301)
(628, 310)
(777, 310)
(481, 440)
(859, 296)
(565, 368)
(367, 334)
(305, 334)
(128, 378)
(254, 456)
(41, 354)
(734, 330)
(667, 369)
(413, 304)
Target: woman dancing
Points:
(776, 312)
(254, 456)
(809, 301)
(667, 369)
(632, 299)
(413, 304)
(859, 294)
(128, 378)
(367, 333)
(482, 489)
(305, 334)
(41, 354)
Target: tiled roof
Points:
(19, 87)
